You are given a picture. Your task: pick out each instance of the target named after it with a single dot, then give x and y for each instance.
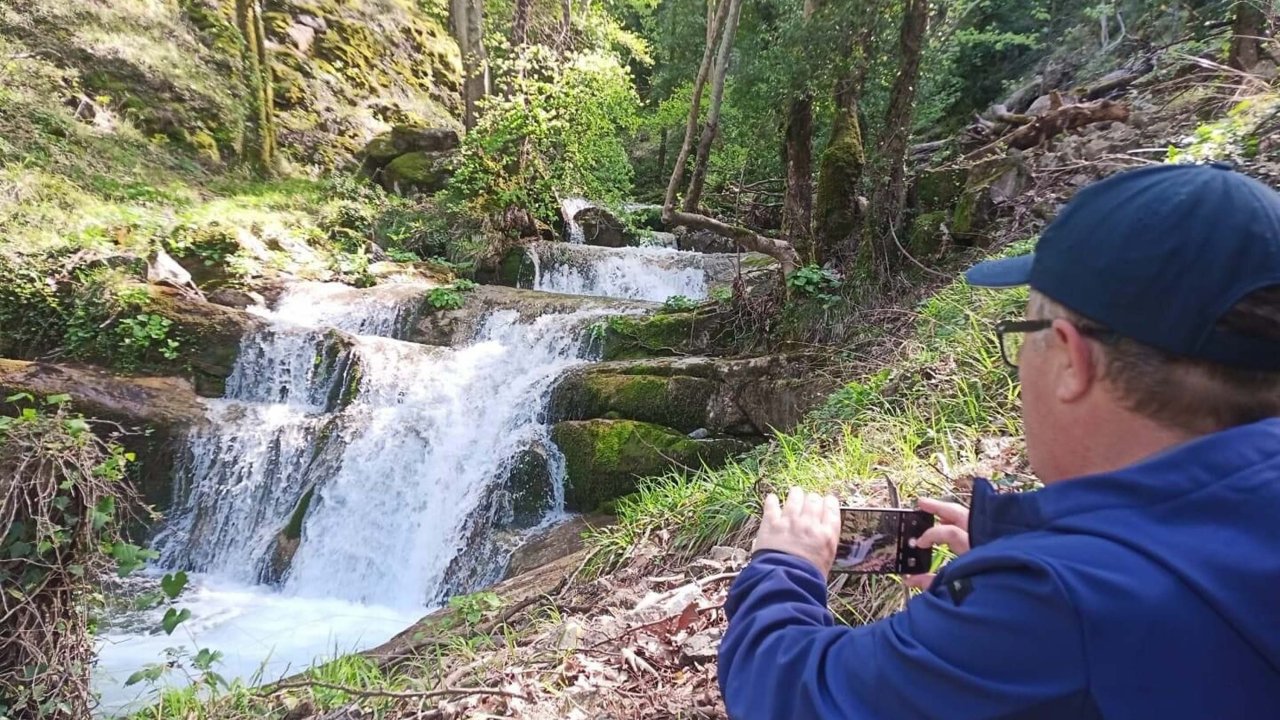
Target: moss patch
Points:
(419, 172)
(676, 401)
(605, 458)
(631, 337)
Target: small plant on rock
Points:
(445, 298)
(679, 303)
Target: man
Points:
(1143, 581)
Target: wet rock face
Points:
(604, 459)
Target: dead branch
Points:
(1000, 113)
(1057, 121)
(779, 250)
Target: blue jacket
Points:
(1149, 592)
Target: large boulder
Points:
(704, 241)
(402, 140)
(991, 184)
(529, 487)
(549, 545)
(157, 412)
(604, 459)
(600, 227)
(209, 336)
(747, 397)
(676, 401)
(420, 171)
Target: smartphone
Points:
(879, 541)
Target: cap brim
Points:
(1001, 273)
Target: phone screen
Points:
(878, 540)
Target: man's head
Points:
(1162, 291)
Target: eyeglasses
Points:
(1011, 334)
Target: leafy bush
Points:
(677, 303)
(445, 298)
(816, 282)
(559, 131)
(62, 499)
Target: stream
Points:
(390, 457)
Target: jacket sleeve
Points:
(1002, 642)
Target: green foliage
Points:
(1234, 136)
(60, 531)
(558, 132)
(677, 303)
(816, 282)
(471, 609)
(445, 298)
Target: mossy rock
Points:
(604, 459)
(990, 184)
(209, 337)
(529, 487)
(938, 190)
(676, 401)
(419, 172)
(926, 236)
(516, 269)
(665, 334)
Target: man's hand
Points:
(952, 530)
(808, 526)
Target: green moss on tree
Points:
(837, 215)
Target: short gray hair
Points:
(1182, 393)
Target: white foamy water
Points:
(403, 448)
(569, 209)
(647, 273)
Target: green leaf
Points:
(58, 399)
(76, 426)
(20, 396)
(173, 584)
(174, 617)
(150, 673)
(206, 659)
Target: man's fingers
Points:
(949, 513)
(918, 581)
(814, 507)
(772, 508)
(831, 513)
(949, 535)
(795, 503)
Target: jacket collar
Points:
(1170, 474)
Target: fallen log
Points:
(1066, 119)
(1054, 122)
(779, 250)
(1000, 113)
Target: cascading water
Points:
(633, 273)
(400, 449)
(569, 209)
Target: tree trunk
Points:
(797, 158)
(713, 113)
(839, 214)
(1246, 33)
(797, 162)
(466, 20)
(891, 188)
(695, 109)
(261, 142)
(520, 23)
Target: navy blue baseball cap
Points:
(1159, 255)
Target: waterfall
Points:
(402, 451)
(569, 209)
(648, 273)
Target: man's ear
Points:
(1074, 362)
